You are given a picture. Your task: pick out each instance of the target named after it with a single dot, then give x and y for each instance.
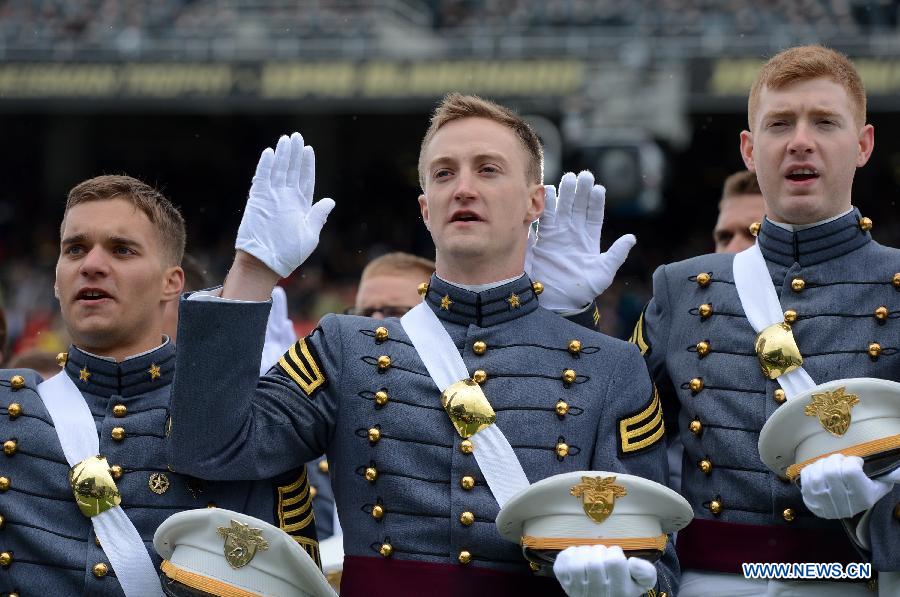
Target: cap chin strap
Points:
(496, 459)
(78, 437)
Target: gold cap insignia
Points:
(777, 350)
(598, 496)
(468, 407)
(241, 543)
(833, 410)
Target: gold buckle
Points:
(93, 486)
(468, 407)
(777, 350)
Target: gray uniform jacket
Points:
(397, 465)
(51, 544)
(699, 347)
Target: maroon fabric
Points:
(376, 577)
(724, 546)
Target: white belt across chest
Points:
(775, 346)
(465, 403)
(94, 488)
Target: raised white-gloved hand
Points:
(566, 255)
(600, 571)
(281, 225)
(280, 334)
(837, 487)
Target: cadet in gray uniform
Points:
(840, 292)
(416, 509)
(121, 241)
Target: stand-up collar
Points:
(487, 308)
(135, 375)
(813, 245)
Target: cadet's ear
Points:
(423, 208)
(173, 283)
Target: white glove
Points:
(837, 487)
(565, 257)
(600, 571)
(281, 225)
(280, 334)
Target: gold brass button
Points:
(465, 557)
(97, 541)
(562, 449)
(479, 347)
(9, 447)
(569, 376)
(705, 310)
(377, 512)
(323, 466)
(119, 410)
(313, 492)
(422, 288)
(897, 511)
(881, 313)
(790, 316)
(788, 514)
(715, 507)
(703, 279)
(371, 474)
(118, 433)
(466, 446)
(754, 228)
(874, 350)
(384, 362)
(4, 483)
(14, 410)
(705, 466)
(539, 288)
(17, 382)
(696, 384)
(210, 504)
(466, 518)
(480, 376)
(798, 284)
(5, 558)
(386, 550)
(574, 346)
(696, 427)
(896, 280)
(116, 471)
(381, 397)
(865, 224)
(702, 348)
(374, 434)
(381, 333)
(779, 395)
(467, 482)
(61, 358)
(100, 569)
(561, 408)
(2, 521)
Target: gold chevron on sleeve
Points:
(300, 364)
(295, 513)
(638, 337)
(642, 430)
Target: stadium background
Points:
(184, 94)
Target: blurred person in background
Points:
(741, 206)
(390, 450)
(389, 285)
(45, 363)
(834, 287)
(106, 414)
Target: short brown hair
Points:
(456, 106)
(741, 183)
(803, 63)
(161, 212)
(398, 263)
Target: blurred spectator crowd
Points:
(124, 24)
